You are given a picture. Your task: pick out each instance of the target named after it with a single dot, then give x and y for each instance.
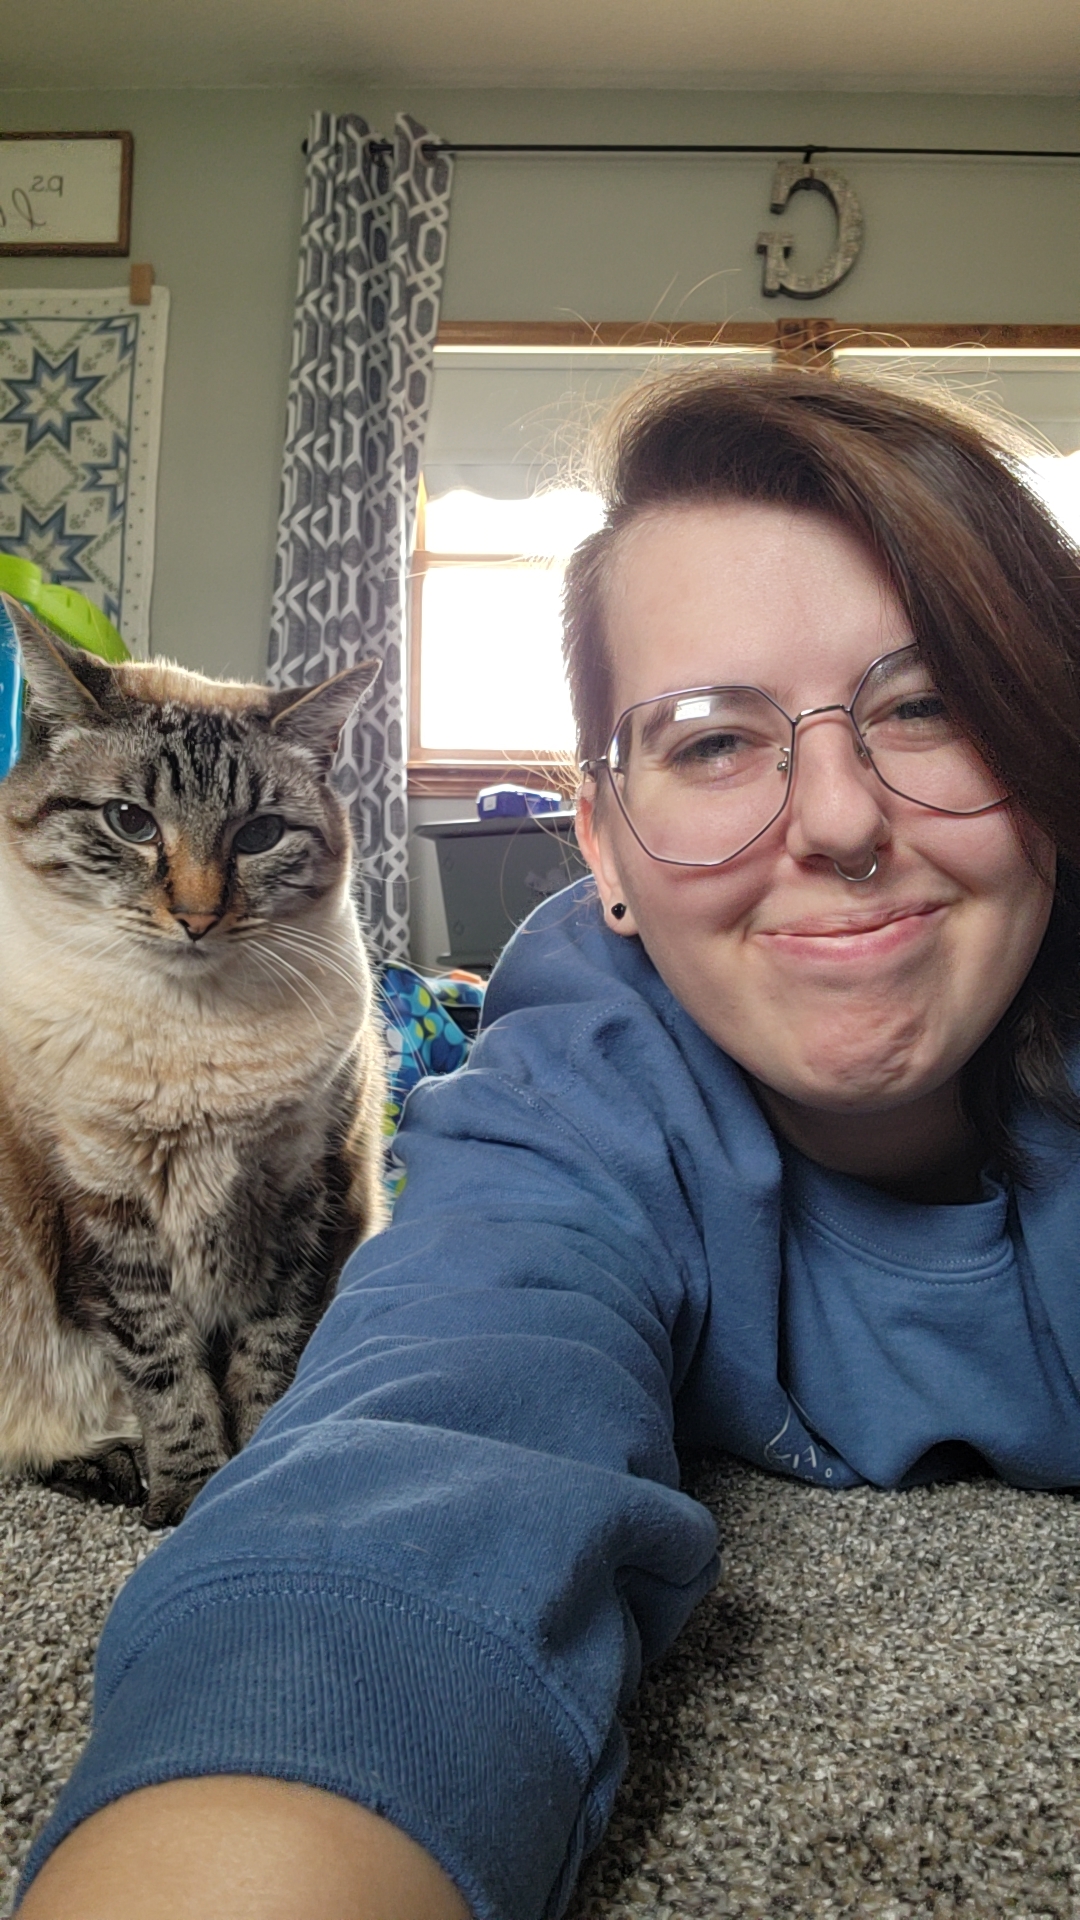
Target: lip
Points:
(854, 933)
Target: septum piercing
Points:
(858, 879)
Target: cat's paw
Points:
(113, 1476)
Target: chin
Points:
(187, 962)
(858, 1082)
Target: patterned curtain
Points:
(371, 267)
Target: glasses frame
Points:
(786, 763)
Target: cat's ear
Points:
(313, 717)
(65, 683)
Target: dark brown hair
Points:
(989, 583)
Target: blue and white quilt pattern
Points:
(81, 379)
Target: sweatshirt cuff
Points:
(394, 1702)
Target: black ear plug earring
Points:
(618, 911)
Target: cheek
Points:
(676, 905)
(1005, 871)
(87, 865)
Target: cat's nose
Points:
(195, 924)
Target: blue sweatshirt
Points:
(430, 1581)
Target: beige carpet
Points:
(878, 1713)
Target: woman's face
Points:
(840, 998)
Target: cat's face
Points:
(187, 812)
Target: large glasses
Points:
(702, 773)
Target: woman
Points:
(769, 1145)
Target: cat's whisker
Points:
(301, 975)
(307, 938)
(283, 986)
(274, 961)
(318, 950)
(264, 964)
(335, 939)
(321, 942)
(112, 946)
(354, 978)
(395, 1019)
(382, 957)
(85, 941)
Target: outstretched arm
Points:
(252, 1849)
(428, 1583)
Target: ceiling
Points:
(999, 46)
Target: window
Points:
(1035, 388)
(502, 508)
(1057, 479)
(488, 578)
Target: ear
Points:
(595, 843)
(313, 717)
(65, 683)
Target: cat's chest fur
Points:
(168, 1093)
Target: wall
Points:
(218, 181)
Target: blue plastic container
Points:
(511, 802)
(69, 613)
(10, 694)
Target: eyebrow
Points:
(666, 708)
(901, 661)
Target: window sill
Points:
(462, 780)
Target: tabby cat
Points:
(191, 1078)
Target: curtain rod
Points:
(808, 152)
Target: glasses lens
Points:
(700, 774)
(916, 746)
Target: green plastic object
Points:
(20, 578)
(68, 612)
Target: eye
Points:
(260, 834)
(130, 822)
(921, 706)
(709, 746)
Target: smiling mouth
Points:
(850, 926)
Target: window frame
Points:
(459, 773)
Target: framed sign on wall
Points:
(65, 192)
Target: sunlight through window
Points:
(546, 524)
(491, 620)
(1056, 479)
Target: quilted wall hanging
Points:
(81, 378)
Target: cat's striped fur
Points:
(190, 1076)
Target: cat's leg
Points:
(116, 1281)
(299, 1271)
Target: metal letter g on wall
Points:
(790, 177)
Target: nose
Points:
(195, 924)
(835, 811)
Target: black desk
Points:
(494, 872)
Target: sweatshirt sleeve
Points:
(430, 1580)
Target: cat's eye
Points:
(260, 834)
(130, 822)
